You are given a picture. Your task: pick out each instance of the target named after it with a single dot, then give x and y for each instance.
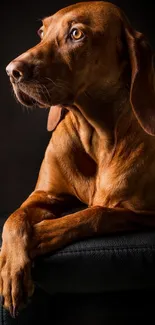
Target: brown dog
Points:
(96, 73)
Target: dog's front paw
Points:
(16, 284)
(15, 279)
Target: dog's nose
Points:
(17, 71)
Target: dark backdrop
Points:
(23, 135)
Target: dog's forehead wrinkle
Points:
(75, 19)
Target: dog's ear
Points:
(142, 89)
(55, 115)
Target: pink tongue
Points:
(54, 117)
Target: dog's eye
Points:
(40, 32)
(76, 34)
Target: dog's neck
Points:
(103, 112)
(110, 120)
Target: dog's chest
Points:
(123, 183)
(111, 188)
(129, 188)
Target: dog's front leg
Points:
(51, 235)
(15, 263)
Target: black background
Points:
(23, 134)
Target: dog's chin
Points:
(27, 100)
(32, 100)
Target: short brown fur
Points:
(102, 151)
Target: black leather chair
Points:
(98, 281)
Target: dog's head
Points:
(86, 46)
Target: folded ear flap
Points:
(142, 91)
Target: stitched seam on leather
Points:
(106, 249)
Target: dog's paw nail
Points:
(11, 311)
(15, 312)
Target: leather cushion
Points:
(99, 264)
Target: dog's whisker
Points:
(53, 82)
